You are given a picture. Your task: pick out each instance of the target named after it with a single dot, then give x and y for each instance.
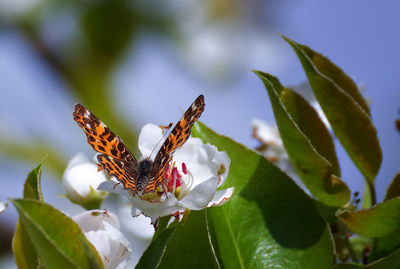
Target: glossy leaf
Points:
(185, 245)
(394, 188)
(162, 224)
(269, 222)
(32, 187)
(314, 170)
(389, 243)
(57, 239)
(344, 109)
(392, 261)
(311, 125)
(348, 266)
(378, 221)
(327, 212)
(153, 254)
(190, 245)
(24, 251)
(385, 245)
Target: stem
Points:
(342, 230)
(372, 192)
(352, 253)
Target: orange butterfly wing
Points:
(116, 159)
(124, 172)
(178, 136)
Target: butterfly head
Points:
(144, 166)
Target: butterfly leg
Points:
(165, 128)
(116, 185)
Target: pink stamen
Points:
(173, 178)
(175, 173)
(184, 169)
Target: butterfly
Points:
(143, 176)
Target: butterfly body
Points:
(143, 176)
(144, 173)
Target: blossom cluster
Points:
(192, 182)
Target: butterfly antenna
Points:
(165, 130)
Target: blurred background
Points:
(133, 62)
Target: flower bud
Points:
(80, 181)
(102, 230)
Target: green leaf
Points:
(32, 188)
(311, 125)
(269, 222)
(190, 245)
(345, 109)
(347, 266)
(162, 224)
(394, 188)
(392, 261)
(385, 245)
(153, 254)
(314, 170)
(24, 251)
(378, 221)
(389, 262)
(57, 239)
(327, 212)
(186, 245)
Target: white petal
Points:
(221, 197)
(111, 245)
(202, 160)
(113, 187)
(119, 245)
(222, 162)
(79, 158)
(80, 176)
(150, 139)
(95, 219)
(3, 206)
(139, 226)
(135, 211)
(101, 242)
(321, 114)
(155, 210)
(126, 264)
(268, 133)
(102, 229)
(201, 195)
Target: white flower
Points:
(272, 146)
(140, 227)
(138, 230)
(80, 181)
(192, 179)
(3, 206)
(102, 229)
